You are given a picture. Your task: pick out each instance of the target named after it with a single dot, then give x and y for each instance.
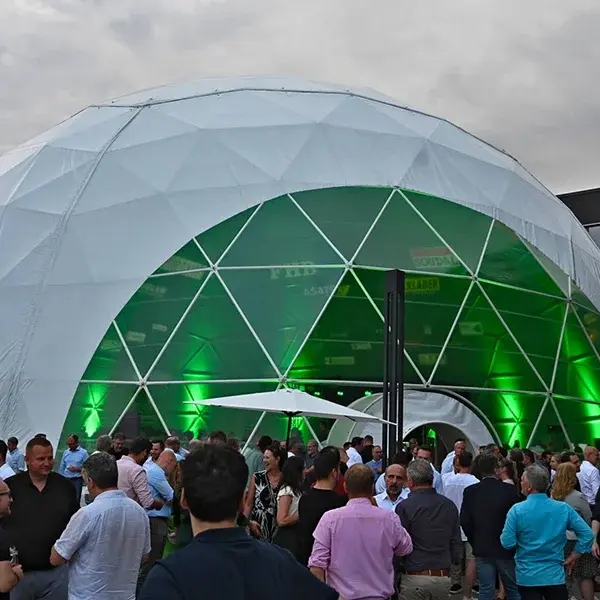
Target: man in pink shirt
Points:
(133, 479)
(355, 546)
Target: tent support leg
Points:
(253, 433)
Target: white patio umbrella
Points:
(291, 403)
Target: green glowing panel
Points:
(344, 215)
(187, 258)
(344, 347)
(587, 414)
(402, 240)
(535, 321)
(110, 361)
(581, 420)
(549, 434)
(279, 234)
(150, 317)
(512, 415)
(508, 260)
(282, 304)
(213, 342)
(94, 410)
(217, 239)
(141, 420)
(589, 317)
(175, 404)
(578, 370)
(482, 353)
(451, 221)
(431, 306)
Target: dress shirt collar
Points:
(386, 496)
(359, 501)
(538, 497)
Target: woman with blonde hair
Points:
(563, 490)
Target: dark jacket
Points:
(431, 520)
(482, 516)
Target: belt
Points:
(431, 573)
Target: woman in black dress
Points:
(261, 501)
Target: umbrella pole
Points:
(289, 432)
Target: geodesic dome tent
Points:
(199, 239)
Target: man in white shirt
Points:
(354, 457)
(454, 487)
(589, 476)
(448, 463)
(5, 470)
(396, 490)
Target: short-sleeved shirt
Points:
(287, 491)
(228, 563)
(105, 543)
(311, 507)
(37, 518)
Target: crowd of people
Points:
(154, 521)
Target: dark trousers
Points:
(544, 592)
(49, 585)
(78, 485)
(487, 571)
(159, 532)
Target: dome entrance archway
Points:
(445, 414)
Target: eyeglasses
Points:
(6, 494)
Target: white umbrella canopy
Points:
(291, 403)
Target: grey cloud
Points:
(522, 75)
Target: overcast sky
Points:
(523, 74)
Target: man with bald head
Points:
(395, 490)
(160, 488)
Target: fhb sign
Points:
(302, 269)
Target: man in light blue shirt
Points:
(537, 529)
(376, 465)
(161, 489)
(15, 459)
(104, 542)
(71, 464)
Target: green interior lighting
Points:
(254, 304)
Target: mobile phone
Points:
(14, 556)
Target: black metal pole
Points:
(393, 380)
(385, 398)
(289, 431)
